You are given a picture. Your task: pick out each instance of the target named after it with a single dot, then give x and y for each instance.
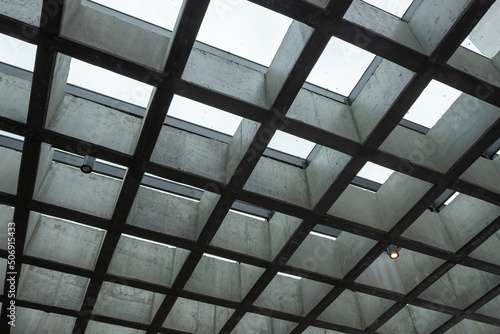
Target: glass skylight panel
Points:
(394, 7)
(244, 29)
(375, 173)
(432, 104)
(158, 12)
(203, 115)
(291, 144)
(340, 67)
(17, 53)
(108, 83)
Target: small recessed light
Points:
(393, 251)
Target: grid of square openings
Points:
(202, 206)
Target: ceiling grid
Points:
(117, 252)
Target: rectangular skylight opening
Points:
(452, 197)
(108, 83)
(289, 275)
(395, 7)
(244, 29)
(248, 215)
(431, 105)
(203, 115)
(158, 12)
(290, 144)
(340, 67)
(147, 240)
(375, 173)
(321, 235)
(17, 53)
(219, 258)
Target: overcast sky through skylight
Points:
(203, 115)
(374, 172)
(432, 104)
(244, 29)
(17, 53)
(291, 144)
(340, 67)
(109, 83)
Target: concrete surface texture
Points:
(179, 230)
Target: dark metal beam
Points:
(44, 70)
(180, 47)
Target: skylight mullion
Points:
(364, 79)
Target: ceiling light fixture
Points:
(393, 251)
(88, 164)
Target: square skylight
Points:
(291, 144)
(244, 29)
(108, 83)
(395, 7)
(375, 173)
(158, 12)
(432, 104)
(340, 67)
(17, 53)
(203, 115)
